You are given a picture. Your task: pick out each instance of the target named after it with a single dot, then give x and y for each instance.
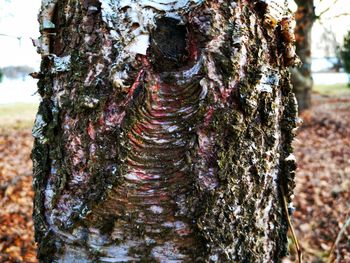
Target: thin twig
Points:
(6, 35)
(327, 9)
(339, 236)
(340, 15)
(19, 38)
(294, 236)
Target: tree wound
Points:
(168, 44)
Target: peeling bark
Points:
(164, 132)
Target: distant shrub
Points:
(15, 72)
(345, 54)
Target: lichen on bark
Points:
(165, 131)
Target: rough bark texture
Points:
(164, 132)
(301, 77)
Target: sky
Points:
(19, 18)
(330, 20)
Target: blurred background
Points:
(322, 147)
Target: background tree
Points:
(164, 131)
(331, 47)
(345, 54)
(305, 18)
(301, 77)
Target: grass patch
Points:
(17, 115)
(333, 90)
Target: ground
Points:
(16, 226)
(322, 195)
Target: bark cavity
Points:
(169, 44)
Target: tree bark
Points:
(301, 77)
(164, 132)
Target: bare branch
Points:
(5, 35)
(327, 9)
(321, 19)
(342, 14)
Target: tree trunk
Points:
(301, 77)
(164, 132)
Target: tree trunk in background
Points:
(164, 132)
(301, 77)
